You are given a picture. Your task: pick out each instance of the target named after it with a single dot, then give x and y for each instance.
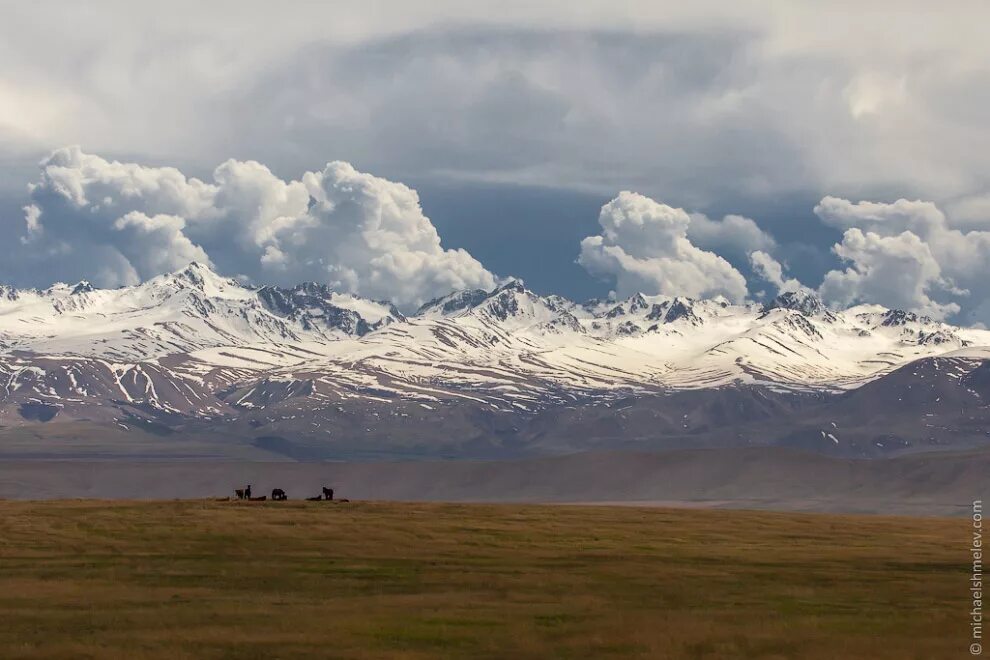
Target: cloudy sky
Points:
(403, 149)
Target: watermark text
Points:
(976, 581)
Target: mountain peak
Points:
(317, 307)
(198, 276)
(509, 302)
(805, 302)
(674, 310)
(82, 287)
(454, 302)
(637, 302)
(196, 272)
(465, 300)
(512, 284)
(898, 317)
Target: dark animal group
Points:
(278, 495)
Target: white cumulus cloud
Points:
(361, 233)
(734, 235)
(921, 218)
(771, 270)
(156, 244)
(897, 271)
(644, 246)
(907, 254)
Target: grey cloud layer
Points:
(702, 102)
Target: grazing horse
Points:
(328, 493)
(247, 491)
(239, 492)
(278, 495)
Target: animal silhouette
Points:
(278, 495)
(328, 493)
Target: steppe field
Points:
(208, 579)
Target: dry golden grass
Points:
(369, 580)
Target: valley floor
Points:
(933, 484)
(175, 579)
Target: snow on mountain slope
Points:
(511, 348)
(792, 341)
(177, 313)
(511, 307)
(193, 343)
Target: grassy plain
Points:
(195, 579)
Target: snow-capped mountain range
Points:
(193, 347)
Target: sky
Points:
(399, 150)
